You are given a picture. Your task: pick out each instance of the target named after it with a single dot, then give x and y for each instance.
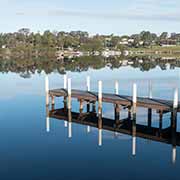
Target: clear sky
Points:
(94, 16)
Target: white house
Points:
(3, 46)
(131, 40)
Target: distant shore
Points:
(58, 44)
(60, 54)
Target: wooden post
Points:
(117, 113)
(129, 113)
(134, 98)
(65, 104)
(150, 110)
(88, 106)
(52, 102)
(69, 93)
(116, 88)
(47, 90)
(80, 106)
(149, 117)
(94, 106)
(160, 121)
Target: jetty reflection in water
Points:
(128, 126)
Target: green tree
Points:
(163, 36)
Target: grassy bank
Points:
(157, 49)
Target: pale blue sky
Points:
(94, 16)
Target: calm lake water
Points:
(28, 151)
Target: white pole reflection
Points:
(115, 134)
(65, 124)
(88, 129)
(174, 154)
(134, 145)
(100, 137)
(47, 124)
(69, 129)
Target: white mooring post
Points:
(47, 90)
(134, 98)
(100, 97)
(69, 93)
(116, 87)
(175, 103)
(134, 93)
(150, 89)
(65, 81)
(88, 83)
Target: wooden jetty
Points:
(93, 116)
(125, 101)
(120, 101)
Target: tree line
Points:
(24, 39)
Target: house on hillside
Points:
(3, 46)
(168, 43)
(124, 41)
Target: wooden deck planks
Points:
(158, 104)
